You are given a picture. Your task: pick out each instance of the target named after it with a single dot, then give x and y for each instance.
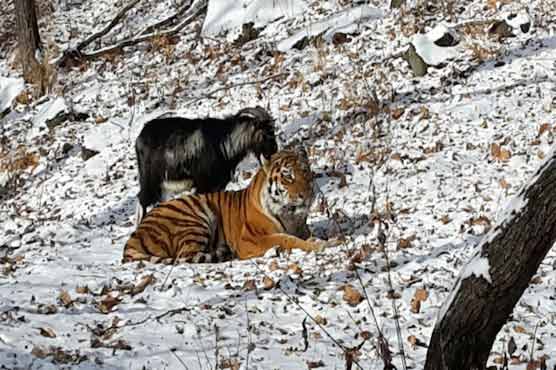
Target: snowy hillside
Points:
(438, 157)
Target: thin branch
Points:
(170, 20)
(82, 45)
(179, 359)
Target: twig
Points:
(248, 338)
(82, 45)
(158, 317)
(534, 340)
(173, 351)
(166, 21)
(305, 335)
(368, 302)
(382, 241)
(216, 354)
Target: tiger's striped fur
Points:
(220, 226)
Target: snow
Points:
(479, 267)
(10, 88)
(347, 21)
(425, 165)
(50, 110)
(431, 53)
(225, 15)
(515, 20)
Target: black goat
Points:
(176, 154)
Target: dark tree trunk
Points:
(491, 283)
(28, 39)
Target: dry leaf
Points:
(82, 290)
(229, 363)
(445, 219)
(145, 281)
(396, 113)
(499, 153)
(504, 184)
(108, 303)
(352, 295)
(536, 280)
(47, 332)
(393, 295)
(273, 266)
(415, 305)
(39, 352)
(100, 120)
(545, 127)
(421, 294)
(540, 154)
(65, 298)
(268, 283)
(47, 309)
(321, 320)
(404, 244)
(294, 268)
(520, 329)
(249, 285)
(315, 364)
(424, 113)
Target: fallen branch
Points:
(195, 10)
(170, 20)
(82, 45)
(191, 12)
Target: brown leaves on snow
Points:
(47, 332)
(351, 295)
(420, 296)
(108, 303)
(498, 153)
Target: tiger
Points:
(226, 225)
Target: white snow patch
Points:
(50, 110)
(225, 15)
(9, 89)
(517, 20)
(431, 53)
(4, 178)
(479, 267)
(347, 21)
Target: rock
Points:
(52, 113)
(87, 154)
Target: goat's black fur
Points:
(203, 152)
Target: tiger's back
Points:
(221, 226)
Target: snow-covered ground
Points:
(440, 165)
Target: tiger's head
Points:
(288, 191)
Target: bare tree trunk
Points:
(492, 282)
(28, 40)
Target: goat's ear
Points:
(265, 163)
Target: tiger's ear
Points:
(265, 163)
